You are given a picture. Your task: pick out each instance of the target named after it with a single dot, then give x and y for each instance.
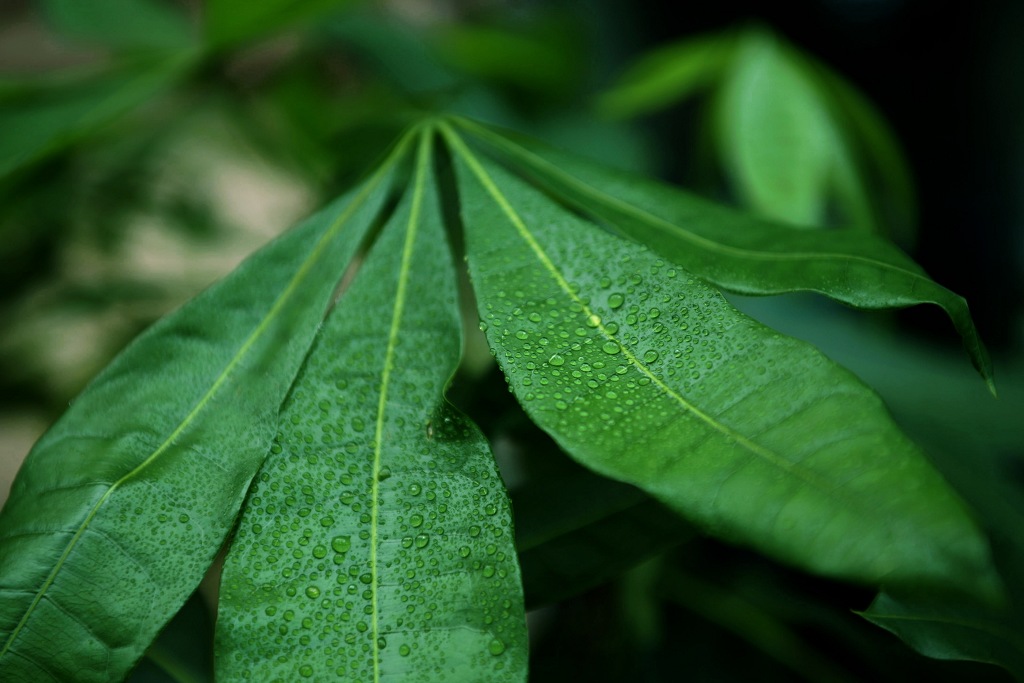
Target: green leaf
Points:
(121, 24)
(950, 627)
(120, 508)
(668, 75)
(579, 530)
(775, 134)
(734, 251)
(38, 122)
(645, 374)
(878, 148)
(394, 51)
(504, 56)
(238, 21)
(377, 542)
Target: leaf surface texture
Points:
(646, 374)
(120, 508)
(377, 543)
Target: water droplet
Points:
(306, 670)
(320, 552)
(610, 347)
(341, 544)
(404, 650)
(384, 473)
(464, 551)
(521, 334)
(422, 540)
(416, 520)
(490, 509)
(556, 360)
(414, 489)
(183, 518)
(496, 647)
(615, 300)
(381, 643)
(312, 592)
(650, 356)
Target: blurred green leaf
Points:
(505, 56)
(41, 122)
(228, 22)
(576, 530)
(668, 75)
(752, 624)
(878, 153)
(775, 135)
(122, 24)
(394, 51)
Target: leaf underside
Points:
(377, 542)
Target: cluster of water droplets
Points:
(353, 557)
(606, 345)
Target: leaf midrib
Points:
(765, 454)
(422, 157)
(254, 337)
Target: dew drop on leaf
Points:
(341, 544)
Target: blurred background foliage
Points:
(147, 146)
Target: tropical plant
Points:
(305, 431)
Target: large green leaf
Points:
(646, 374)
(120, 508)
(377, 542)
(732, 250)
